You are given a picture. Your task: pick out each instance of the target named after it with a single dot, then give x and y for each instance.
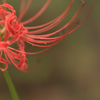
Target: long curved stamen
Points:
(38, 14)
(74, 17)
(46, 24)
(24, 10)
(22, 7)
(55, 23)
(59, 37)
(38, 52)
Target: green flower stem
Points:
(11, 86)
(7, 77)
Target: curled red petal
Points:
(9, 7)
(3, 61)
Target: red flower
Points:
(14, 57)
(35, 35)
(17, 58)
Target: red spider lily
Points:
(19, 33)
(18, 59)
(36, 37)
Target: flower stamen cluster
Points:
(13, 31)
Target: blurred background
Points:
(70, 70)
